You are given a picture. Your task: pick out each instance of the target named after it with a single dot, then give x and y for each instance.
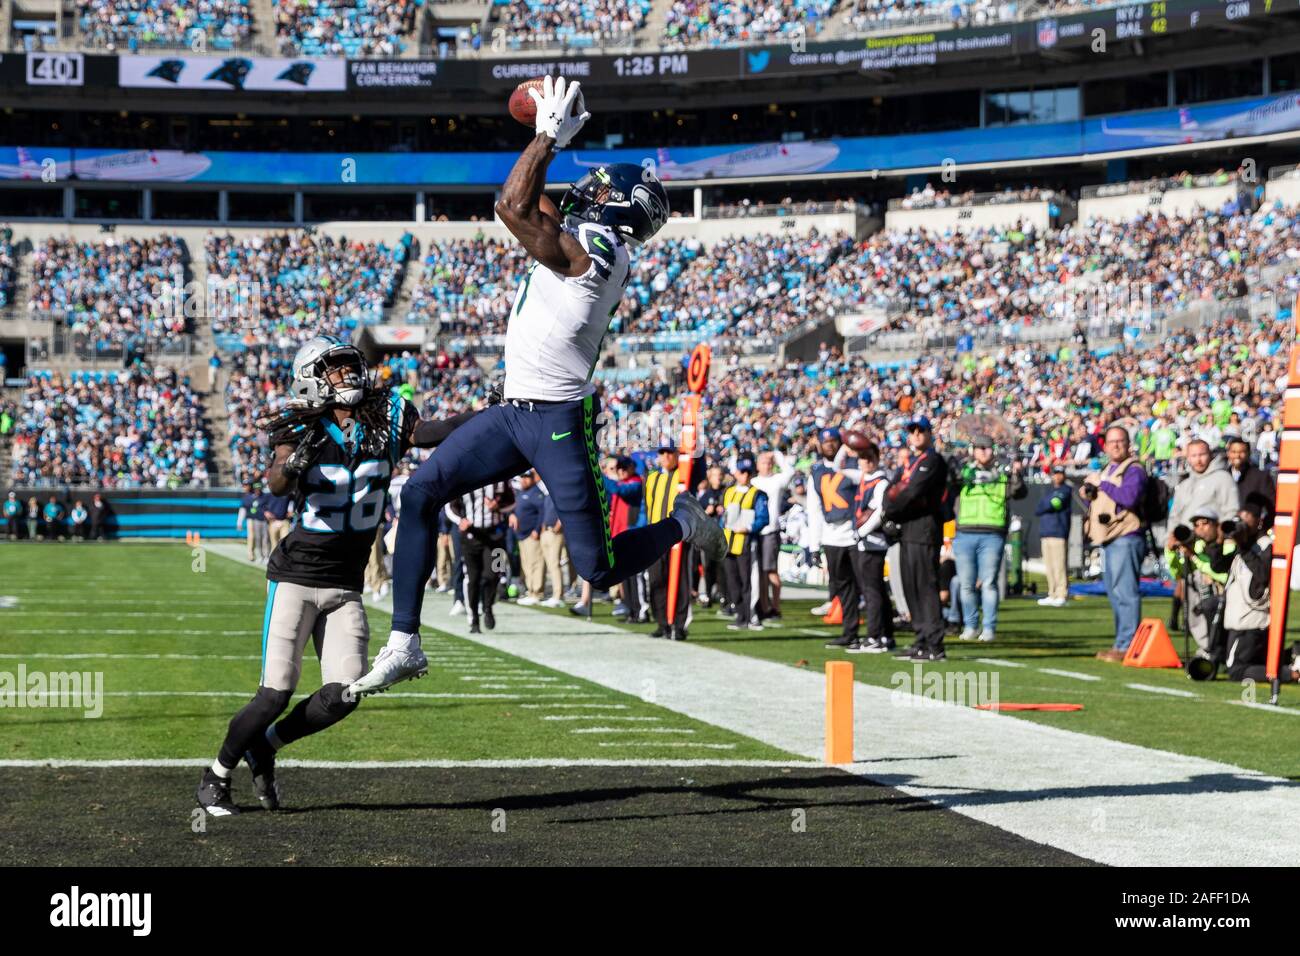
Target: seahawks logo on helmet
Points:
(655, 208)
(622, 196)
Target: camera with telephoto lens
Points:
(1182, 534)
(1231, 528)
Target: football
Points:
(522, 107)
(856, 440)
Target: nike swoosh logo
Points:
(555, 437)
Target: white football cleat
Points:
(457, 607)
(527, 601)
(821, 610)
(390, 667)
(553, 602)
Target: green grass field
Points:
(1211, 723)
(180, 652)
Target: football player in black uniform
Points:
(336, 447)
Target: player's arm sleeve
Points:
(427, 432)
(455, 511)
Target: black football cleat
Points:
(214, 796)
(261, 761)
(474, 628)
(489, 619)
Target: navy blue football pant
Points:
(559, 440)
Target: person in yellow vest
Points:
(983, 512)
(744, 516)
(660, 492)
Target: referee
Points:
(480, 516)
(660, 493)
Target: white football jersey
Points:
(557, 324)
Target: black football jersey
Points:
(340, 501)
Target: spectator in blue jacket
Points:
(526, 523)
(1053, 514)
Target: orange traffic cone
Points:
(836, 615)
(1151, 646)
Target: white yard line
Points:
(999, 662)
(1267, 708)
(1167, 691)
(1108, 801)
(1073, 675)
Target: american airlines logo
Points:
(76, 909)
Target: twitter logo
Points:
(758, 61)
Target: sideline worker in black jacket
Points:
(915, 503)
(1252, 484)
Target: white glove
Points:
(560, 110)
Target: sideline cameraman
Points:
(1246, 595)
(1115, 523)
(982, 517)
(1194, 556)
(914, 513)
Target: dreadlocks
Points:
(296, 420)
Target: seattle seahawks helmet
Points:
(623, 196)
(312, 368)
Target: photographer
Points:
(1246, 594)
(1194, 557)
(983, 491)
(1116, 524)
(1208, 485)
(914, 514)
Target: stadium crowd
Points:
(137, 23)
(137, 428)
(345, 28)
(719, 22)
(282, 289)
(111, 294)
(573, 21)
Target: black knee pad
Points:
(269, 704)
(332, 699)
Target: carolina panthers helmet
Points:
(626, 197)
(314, 363)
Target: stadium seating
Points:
(111, 294)
(143, 23)
(468, 285)
(573, 23)
(141, 428)
(303, 285)
(345, 27)
(718, 22)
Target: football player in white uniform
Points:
(548, 417)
